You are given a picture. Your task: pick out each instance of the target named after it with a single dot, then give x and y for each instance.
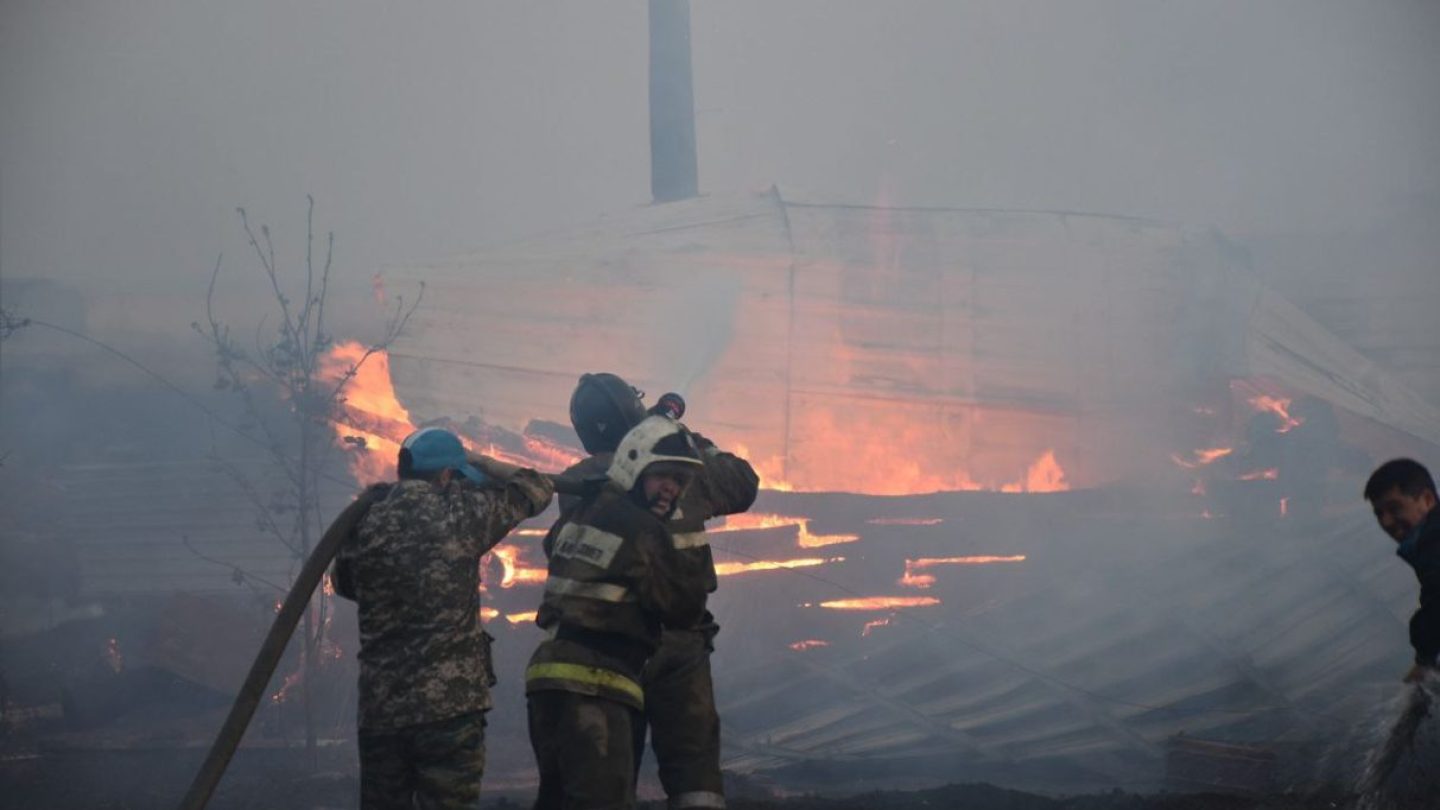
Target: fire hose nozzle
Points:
(670, 404)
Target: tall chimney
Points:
(673, 172)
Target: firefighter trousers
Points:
(586, 748)
(684, 726)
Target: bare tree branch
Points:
(291, 362)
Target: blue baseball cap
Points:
(434, 449)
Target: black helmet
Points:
(603, 409)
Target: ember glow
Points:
(515, 571)
(808, 644)
(1280, 406)
(524, 617)
(1269, 474)
(873, 624)
(291, 681)
(731, 568)
(913, 579)
(1201, 458)
(804, 537)
(901, 521)
(880, 603)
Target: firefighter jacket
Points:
(727, 486)
(1421, 550)
(615, 580)
(413, 568)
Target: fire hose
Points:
(252, 691)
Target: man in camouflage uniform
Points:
(413, 568)
(615, 579)
(679, 690)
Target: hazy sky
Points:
(131, 130)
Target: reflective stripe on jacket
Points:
(615, 579)
(727, 486)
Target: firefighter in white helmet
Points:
(679, 692)
(615, 581)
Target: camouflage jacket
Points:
(413, 568)
(727, 486)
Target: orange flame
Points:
(513, 570)
(1269, 474)
(371, 422)
(770, 470)
(730, 568)
(524, 617)
(487, 613)
(1044, 475)
(978, 559)
(872, 624)
(888, 472)
(809, 644)
(1280, 406)
(902, 521)
(912, 579)
(538, 453)
(804, 537)
(1200, 458)
(880, 603)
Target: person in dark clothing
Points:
(1402, 493)
(679, 691)
(615, 581)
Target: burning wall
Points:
(847, 349)
(879, 350)
(895, 353)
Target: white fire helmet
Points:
(657, 439)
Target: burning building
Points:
(1021, 521)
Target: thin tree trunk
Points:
(308, 664)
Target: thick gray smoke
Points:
(1298, 135)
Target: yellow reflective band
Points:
(580, 673)
(685, 540)
(697, 798)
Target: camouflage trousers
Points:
(684, 726)
(431, 766)
(586, 748)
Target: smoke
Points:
(1304, 131)
(694, 328)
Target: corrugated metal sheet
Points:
(130, 523)
(978, 339)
